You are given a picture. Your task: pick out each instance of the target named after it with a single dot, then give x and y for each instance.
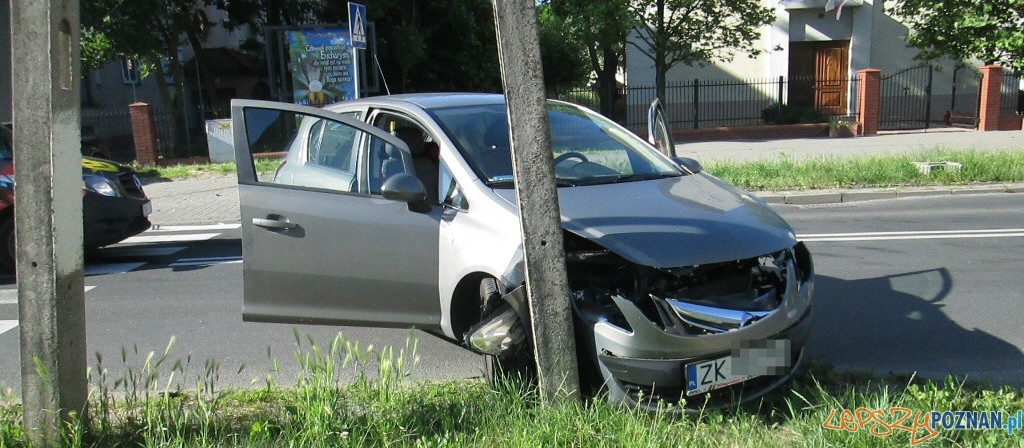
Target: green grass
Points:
(175, 172)
(875, 171)
(781, 173)
(381, 407)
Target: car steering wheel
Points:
(570, 155)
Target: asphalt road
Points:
(932, 285)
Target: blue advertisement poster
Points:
(322, 68)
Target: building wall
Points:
(876, 41)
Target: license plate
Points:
(147, 208)
(707, 375)
(751, 359)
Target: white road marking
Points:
(139, 252)
(112, 268)
(150, 239)
(920, 235)
(917, 232)
(203, 228)
(10, 296)
(7, 325)
(205, 261)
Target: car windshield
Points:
(587, 148)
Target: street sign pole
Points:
(547, 286)
(48, 217)
(357, 38)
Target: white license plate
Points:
(751, 359)
(704, 376)
(147, 208)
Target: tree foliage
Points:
(990, 30)
(150, 32)
(601, 28)
(697, 31)
(562, 55)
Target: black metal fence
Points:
(906, 99)
(712, 103)
(1012, 95)
(965, 97)
(108, 133)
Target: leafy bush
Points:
(786, 114)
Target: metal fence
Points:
(1012, 95)
(712, 103)
(108, 133)
(965, 97)
(906, 99)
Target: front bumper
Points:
(109, 220)
(645, 365)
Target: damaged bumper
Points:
(691, 348)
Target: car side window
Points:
(333, 146)
(423, 148)
(298, 150)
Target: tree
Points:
(990, 30)
(697, 31)
(150, 32)
(563, 57)
(601, 27)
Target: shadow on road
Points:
(896, 324)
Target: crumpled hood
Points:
(674, 222)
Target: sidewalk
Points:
(885, 143)
(212, 200)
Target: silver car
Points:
(400, 211)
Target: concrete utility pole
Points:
(48, 217)
(547, 287)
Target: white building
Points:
(819, 51)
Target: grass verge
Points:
(873, 171)
(781, 173)
(382, 408)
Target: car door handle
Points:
(274, 223)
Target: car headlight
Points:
(101, 185)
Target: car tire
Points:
(7, 247)
(518, 366)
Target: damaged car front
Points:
(685, 288)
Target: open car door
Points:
(658, 130)
(321, 240)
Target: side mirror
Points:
(688, 164)
(404, 187)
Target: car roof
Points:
(432, 100)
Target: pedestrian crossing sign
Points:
(357, 24)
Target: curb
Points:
(841, 196)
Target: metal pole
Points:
(778, 104)
(547, 286)
(928, 104)
(696, 102)
(48, 220)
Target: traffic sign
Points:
(357, 24)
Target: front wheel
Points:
(518, 365)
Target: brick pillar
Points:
(869, 99)
(991, 100)
(144, 131)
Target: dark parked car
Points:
(400, 211)
(113, 203)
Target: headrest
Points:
(413, 138)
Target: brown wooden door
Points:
(818, 73)
(831, 62)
